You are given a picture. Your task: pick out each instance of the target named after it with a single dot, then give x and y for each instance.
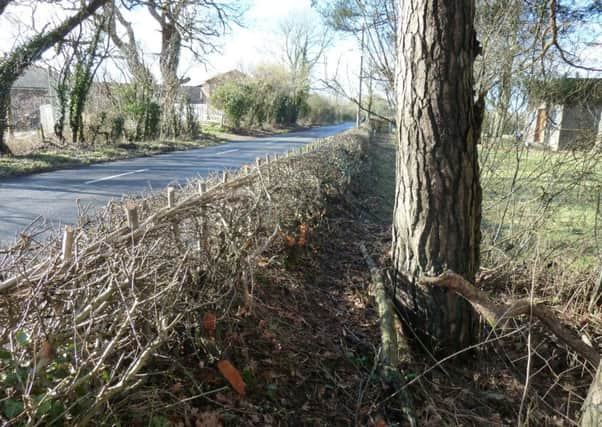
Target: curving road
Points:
(52, 195)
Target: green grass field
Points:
(535, 203)
(542, 200)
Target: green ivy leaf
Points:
(159, 421)
(12, 408)
(22, 338)
(5, 354)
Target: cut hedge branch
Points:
(494, 313)
(130, 293)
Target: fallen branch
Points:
(388, 337)
(494, 313)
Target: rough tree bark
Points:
(592, 408)
(167, 15)
(13, 65)
(438, 194)
(170, 60)
(143, 78)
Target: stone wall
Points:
(25, 107)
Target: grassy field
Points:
(543, 201)
(535, 203)
(53, 157)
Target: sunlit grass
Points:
(531, 198)
(73, 155)
(543, 198)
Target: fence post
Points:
(267, 165)
(203, 241)
(171, 197)
(131, 210)
(67, 250)
(225, 177)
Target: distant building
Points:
(192, 94)
(208, 86)
(199, 96)
(35, 87)
(565, 113)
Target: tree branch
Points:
(3, 4)
(494, 313)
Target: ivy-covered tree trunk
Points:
(85, 69)
(438, 194)
(15, 63)
(4, 103)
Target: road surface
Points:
(52, 195)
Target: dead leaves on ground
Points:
(232, 375)
(210, 323)
(291, 241)
(225, 367)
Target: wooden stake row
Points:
(131, 208)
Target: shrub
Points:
(235, 99)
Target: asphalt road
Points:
(52, 195)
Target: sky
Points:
(243, 47)
(255, 42)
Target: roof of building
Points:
(228, 75)
(34, 77)
(567, 90)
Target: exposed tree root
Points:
(494, 313)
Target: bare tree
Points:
(13, 64)
(304, 43)
(374, 24)
(194, 25)
(437, 215)
(143, 80)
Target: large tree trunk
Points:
(438, 195)
(143, 78)
(592, 408)
(13, 65)
(170, 60)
